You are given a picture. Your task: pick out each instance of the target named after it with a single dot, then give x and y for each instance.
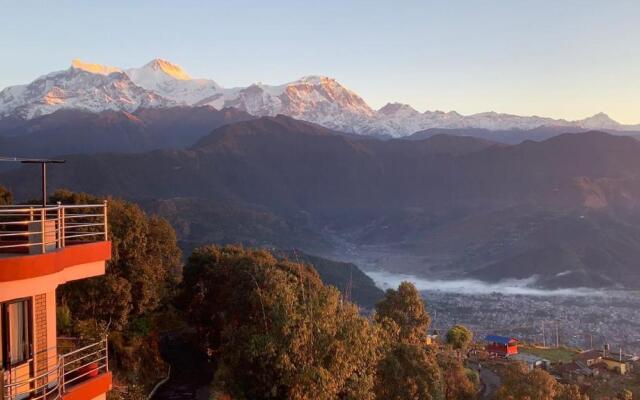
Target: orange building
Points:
(42, 247)
(501, 346)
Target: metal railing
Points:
(69, 369)
(83, 363)
(37, 229)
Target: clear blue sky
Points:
(558, 58)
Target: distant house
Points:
(574, 371)
(598, 357)
(501, 346)
(615, 365)
(589, 357)
(531, 361)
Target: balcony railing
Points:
(37, 229)
(69, 370)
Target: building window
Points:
(16, 332)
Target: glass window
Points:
(15, 332)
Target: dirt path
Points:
(191, 373)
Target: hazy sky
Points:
(567, 59)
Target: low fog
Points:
(386, 280)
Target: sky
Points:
(562, 59)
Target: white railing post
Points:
(43, 217)
(106, 351)
(61, 372)
(106, 222)
(59, 226)
(63, 224)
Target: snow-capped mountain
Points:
(318, 99)
(171, 81)
(312, 98)
(90, 87)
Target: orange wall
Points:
(22, 267)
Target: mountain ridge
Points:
(407, 206)
(313, 98)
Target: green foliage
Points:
(63, 319)
(626, 395)
(142, 273)
(460, 383)
(459, 337)
(405, 308)
(571, 392)
(6, 197)
(276, 330)
(140, 281)
(409, 371)
(518, 383)
(521, 384)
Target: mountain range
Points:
(565, 210)
(161, 84)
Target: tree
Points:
(458, 384)
(140, 280)
(626, 395)
(571, 392)
(405, 308)
(6, 197)
(520, 384)
(275, 330)
(143, 271)
(409, 371)
(459, 337)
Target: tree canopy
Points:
(144, 268)
(459, 337)
(276, 330)
(405, 308)
(521, 384)
(140, 279)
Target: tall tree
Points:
(518, 384)
(275, 329)
(139, 281)
(458, 385)
(409, 371)
(459, 337)
(571, 392)
(144, 267)
(405, 308)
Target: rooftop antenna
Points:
(43, 170)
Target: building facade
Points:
(41, 248)
(501, 346)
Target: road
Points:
(191, 374)
(490, 381)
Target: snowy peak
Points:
(173, 70)
(313, 80)
(314, 98)
(171, 81)
(89, 87)
(93, 68)
(599, 121)
(394, 109)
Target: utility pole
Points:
(544, 342)
(557, 334)
(620, 354)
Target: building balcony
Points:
(80, 374)
(37, 241)
(38, 230)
